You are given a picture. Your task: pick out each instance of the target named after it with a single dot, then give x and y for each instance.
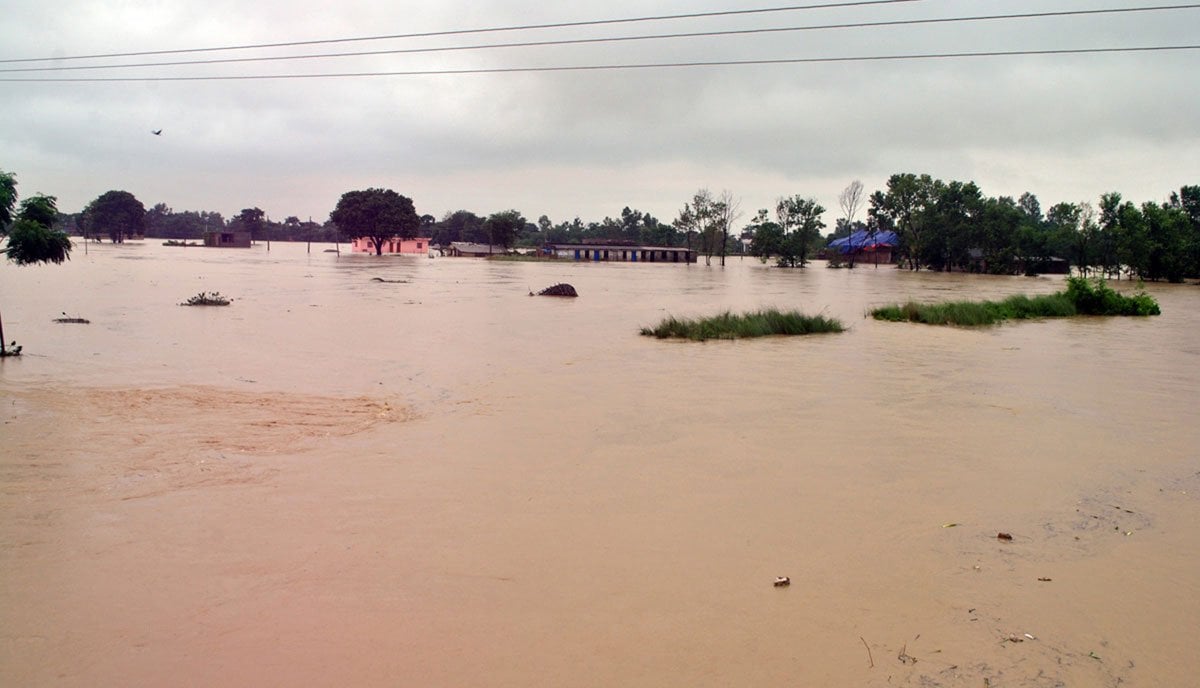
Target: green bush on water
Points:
(1094, 297)
(1082, 297)
(754, 324)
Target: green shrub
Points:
(1094, 297)
(754, 324)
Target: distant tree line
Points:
(953, 226)
(940, 226)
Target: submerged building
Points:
(865, 246)
(227, 239)
(418, 245)
(625, 253)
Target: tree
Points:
(655, 233)
(766, 236)
(908, 197)
(800, 219)
(30, 241)
(851, 200)
(117, 213)
(1029, 205)
(251, 220)
(460, 225)
(695, 220)
(378, 214)
(1109, 232)
(40, 209)
(1088, 237)
(1187, 201)
(8, 198)
(725, 212)
(952, 224)
(503, 228)
(709, 219)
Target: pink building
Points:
(418, 245)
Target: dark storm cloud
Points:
(587, 143)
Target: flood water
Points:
(437, 480)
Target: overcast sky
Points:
(588, 143)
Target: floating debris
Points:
(782, 581)
(389, 281)
(561, 289)
(1003, 536)
(208, 298)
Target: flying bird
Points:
(157, 132)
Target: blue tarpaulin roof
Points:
(862, 239)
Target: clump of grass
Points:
(1082, 297)
(208, 298)
(978, 313)
(727, 325)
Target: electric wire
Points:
(609, 67)
(614, 39)
(458, 32)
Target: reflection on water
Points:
(600, 507)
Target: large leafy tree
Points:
(378, 214)
(460, 225)
(40, 209)
(8, 198)
(252, 220)
(709, 218)
(116, 213)
(904, 206)
(767, 236)
(801, 221)
(502, 228)
(31, 240)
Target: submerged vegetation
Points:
(208, 298)
(1094, 297)
(755, 324)
(1082, 297)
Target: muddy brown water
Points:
(440, 481)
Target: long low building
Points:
(626, 253)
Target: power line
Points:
(459, 32)
(580, 41)
(603, 67)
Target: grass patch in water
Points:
(727, 325)
(1082, 297)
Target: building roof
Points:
(603, 246)
(864, 239)
(470, 247)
